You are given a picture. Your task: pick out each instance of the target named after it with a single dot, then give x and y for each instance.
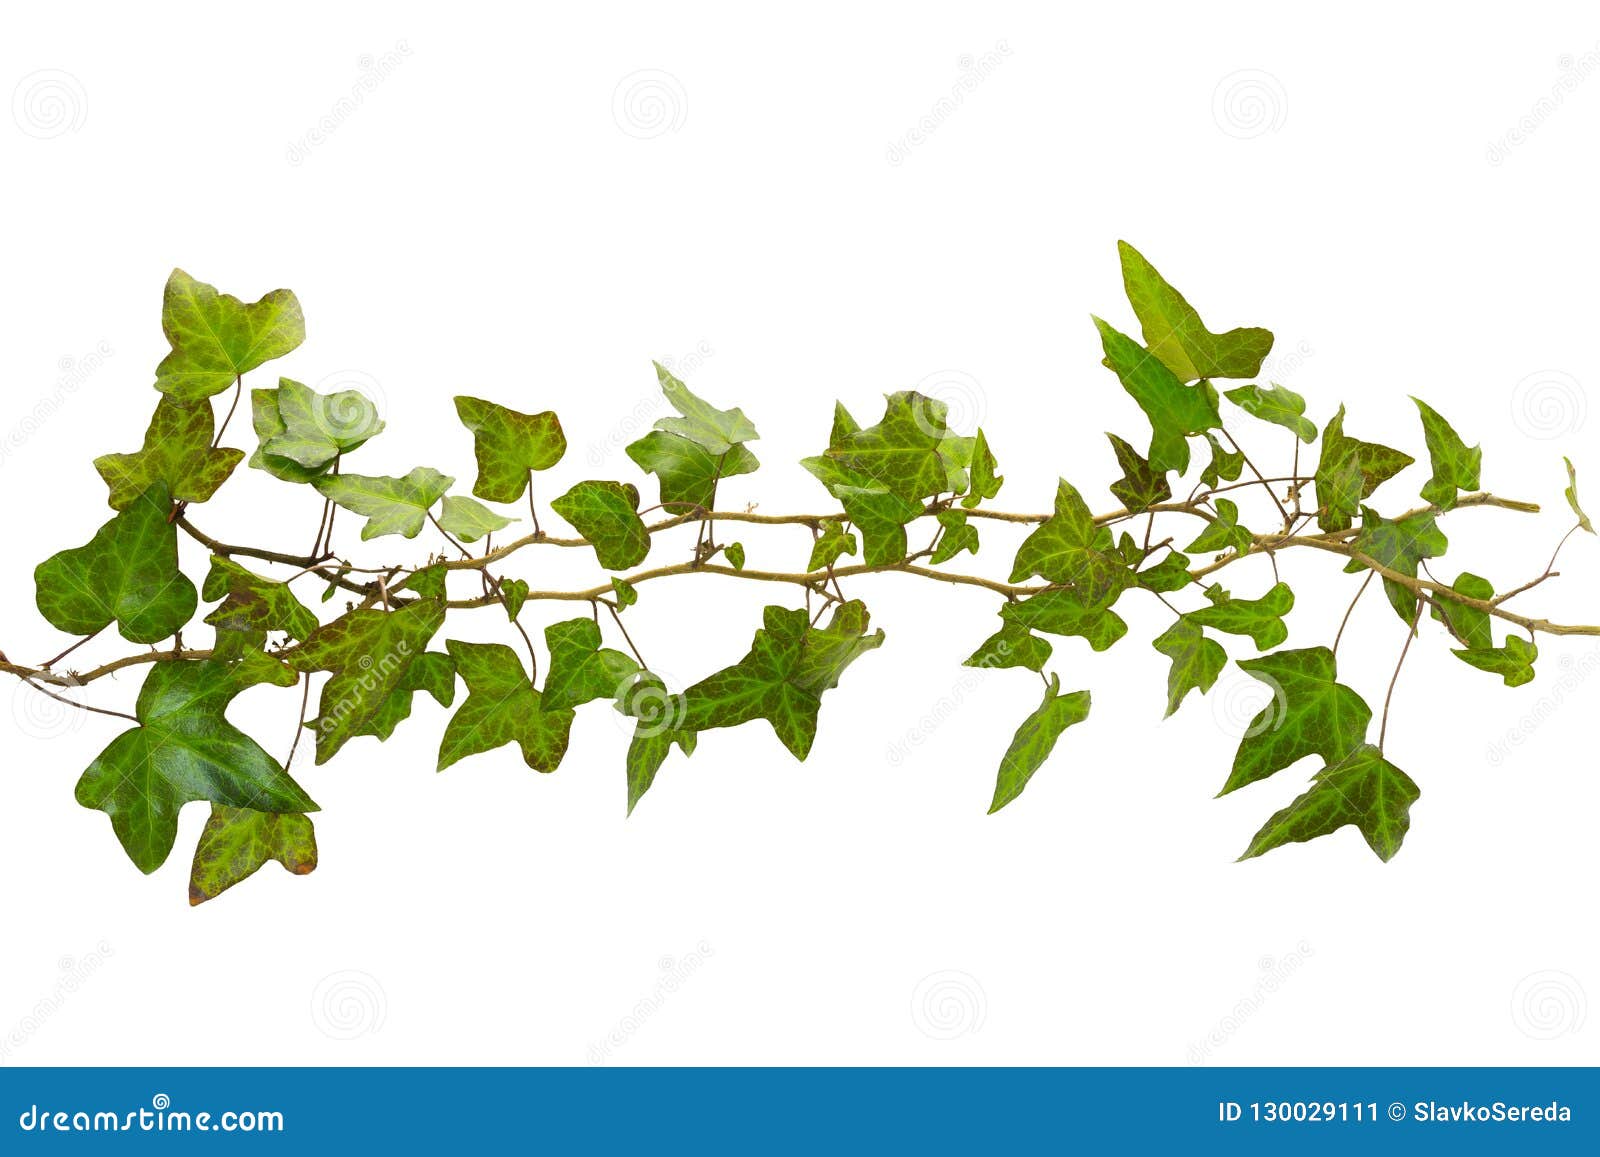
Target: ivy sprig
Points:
(904, 479)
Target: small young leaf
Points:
(1467, 624)
(1455, 465)
(1348, 471)
(1310, 714)
(1175, 334)
(734, 553)
(216, 338)
(501, 707)
(509, 444)
(983, 482)
(607, 514)
(1225, 465)
(626, 594)
(1280, 406)
(1572, 497)
(513, 593)
(834, 541)
(1140, 487)
(469, 519)
(1011, 646)
(1261, 619)
(1196, 660)
(390, 505)
(657, 712)
(1512, 662)
(177, 451)
(956, 536)
(127, 573)
(1036, 739)
(238, 842)
(716, 431)
(581, 670)
(1170, 574)
(1361, 788)
(1224, 532)
(1174, 409)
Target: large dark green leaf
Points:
(127, 573)
(1363, 789)
(781, 680)
(184, 749)
(1311, 713)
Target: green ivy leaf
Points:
(254, 603)
(501, 707)
(1512, 662)
(716, 431)
(1170, 574)
(1011, 646)
(984, 482)
(1399, 545)
(626, 594)
(656, 711)
(390, 505)
(468, 519)
(1196, 660)
(508, 445)
(1036, 739)
(882, 518)
(216, 338)
(1310, 714)
(1468, 624)
(834, 541)
(1225, 465)
(1280, 406)
(431, 671)
(513, 593)
(1261, 619)
(734, 553)
(183, 750)
(238, 842)
(956, 537)
(1174, 409)
(687, 471)
(1363, 789)
(1140, 487)
(1223, 532)
(1175, 334)
(1348, 471)
(1455, 465)
(1065, 612)
(1572, 497)
(607, 514)
(581, 670)
(1068, 547)
(127, 573)
(781, 680)
(302, 431)
(906, 451)
(177, 451)
(369, 653)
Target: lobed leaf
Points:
(1036, 739)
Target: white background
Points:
(497, 216)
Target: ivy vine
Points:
(1067, 579)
